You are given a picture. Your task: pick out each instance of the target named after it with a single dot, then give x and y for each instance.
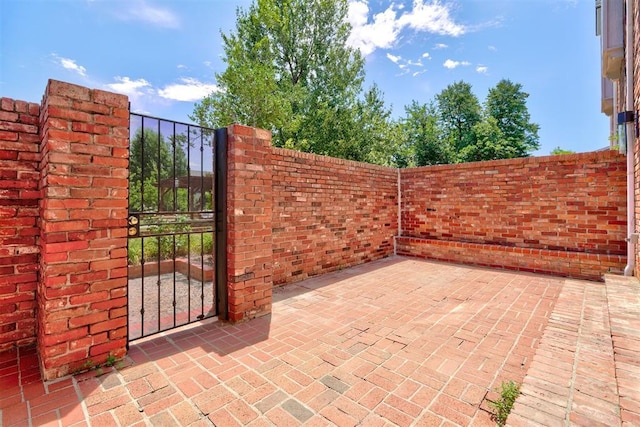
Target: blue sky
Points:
(164, 54)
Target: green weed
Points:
(509, 392)
(111, 360)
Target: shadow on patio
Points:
(399, 341)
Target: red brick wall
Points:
(249, 256)
(19, 195)
(329, 214)
(581, 265)
(571, 203)
(82, 313)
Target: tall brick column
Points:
(82, 314)
(249, 209)
(19, 195)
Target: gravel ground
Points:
(192, 299)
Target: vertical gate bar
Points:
(158, 209)
(175, 178)
(221, 222)
(189, 275)
(142, 255)
(159, 279)
(189, 195)
(142, 286)
(189, 172)
(174, 280)
(202, 274)
(214, 255)
(201, 171)
(175, 209)
(201, 235)
(158, 166)
(142, 168)
(128, 240)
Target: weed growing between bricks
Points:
(509, 392)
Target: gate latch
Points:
(133, 226)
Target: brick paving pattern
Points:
(623, 295)
(398, 341)
(586, 370)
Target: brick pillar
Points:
(82, 312)
(636, 96)
(249, 207)
(19, 195)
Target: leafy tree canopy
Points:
(422, 136)
(289, 70)
(454, 127)
(151, 159)
(507, 103)
(459, 111)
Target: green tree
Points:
(290, 70)
(507, 103)
(422, 137)
(375, 132)
(559, 151)
(490, 143)
(459, 112)
(153, 159)
(247, 88)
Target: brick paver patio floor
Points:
(399, 341)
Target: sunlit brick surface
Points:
(398, 341)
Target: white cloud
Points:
(492, 48)
(142, 92)
(394, 58)
(403, 72)
(129, 87)
(451, 64)
(407, 66)
(381, 33)
(433, 18)
(181, 66)
(426, 55)
(162, 17)
(188, 91)
(440, 46)
(70, 64)
(358, 13)
(383, 30)
(482, 69)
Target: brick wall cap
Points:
(285, 152)
(68, 90)
(589, 157)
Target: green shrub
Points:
(135, 251)
(194, 243)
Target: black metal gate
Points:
(176, 225)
